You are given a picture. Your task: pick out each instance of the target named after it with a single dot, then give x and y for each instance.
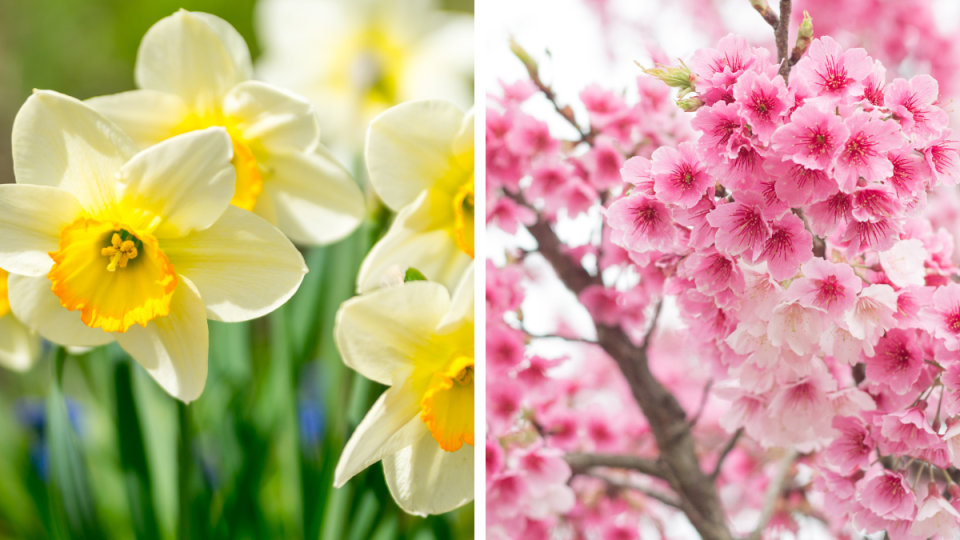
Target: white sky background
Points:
(571, 31)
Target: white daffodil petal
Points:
(184, 55)
(61, 142)
(277, 119)
(381, 332)
(233, 41)
(311, 197)
(173, 349)
(31, 218)
(463, 143)
(432, 252)
(19, 346)
(182, 184)
(33, 302)
(425, 479)
(409, 149)
(461, 308)
(389, 426)
(147, 116)
(243, 267)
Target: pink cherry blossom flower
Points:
(531, 137)
(715, 272)
(827, 215)
(722, 130)
(910, 301)
(910, 173)
(812, 138)
(797, 185)
(831, 71)
(887, 494)
(805, 401)
(864, 152)
(909, 427)
(646, 223)
(853, 448)
(896, 360)
(838, 343)
(601, 302)
(604, 162)
(828, 286)
(912, 103)
(943, 317)
(743, 173)
(951, 400)
(722, 66)
(942, 158)
(880, 235)
(935, 517)
(875, 202)
(762, 101)
(789, 246)
(702, 234)
(741, 226)
(504, 348)
(507, 214)
(903, 263)
(872, 315)
(796, 326)
(679, 178)
(504, 402)
(638, 171)
(602, 104)
(873, 85)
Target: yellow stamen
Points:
(447, 408)
(249, 179)
(120, 252)
(463, 218)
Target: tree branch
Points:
(763, 8)
(731, 444)
(581, 462)
(774, 489)
(554, 336)
(783, 36)
(678, 458)
(649, 492)
(703, 403)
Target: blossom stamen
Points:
(121, 251)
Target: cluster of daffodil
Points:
(138, 216)
(412, 327)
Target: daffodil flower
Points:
(356, 58)
(105, 242)
(193, 70)
(18, 345)
(420, 159)
(415, 339)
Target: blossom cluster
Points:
(799, 233)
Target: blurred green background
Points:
(91, 447)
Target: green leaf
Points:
(133, 456)
(72, 508)
(413, 274)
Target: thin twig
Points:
(703, 403)
(774, 489)
(554, 336)
(653, 328)
(731, 444)
(649, 492)
(582, 462)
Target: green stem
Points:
(185, 459)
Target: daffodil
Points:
(415, 339)
(105, 242)
(420, 159)
(194, 72)
(355, 58)
(18, 345)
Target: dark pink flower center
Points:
(859, 148)
(834, 77)
(953, 321)
(830, 291)
(819, 141)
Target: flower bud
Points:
(524, 56)
(690, 104)
(675, 77)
